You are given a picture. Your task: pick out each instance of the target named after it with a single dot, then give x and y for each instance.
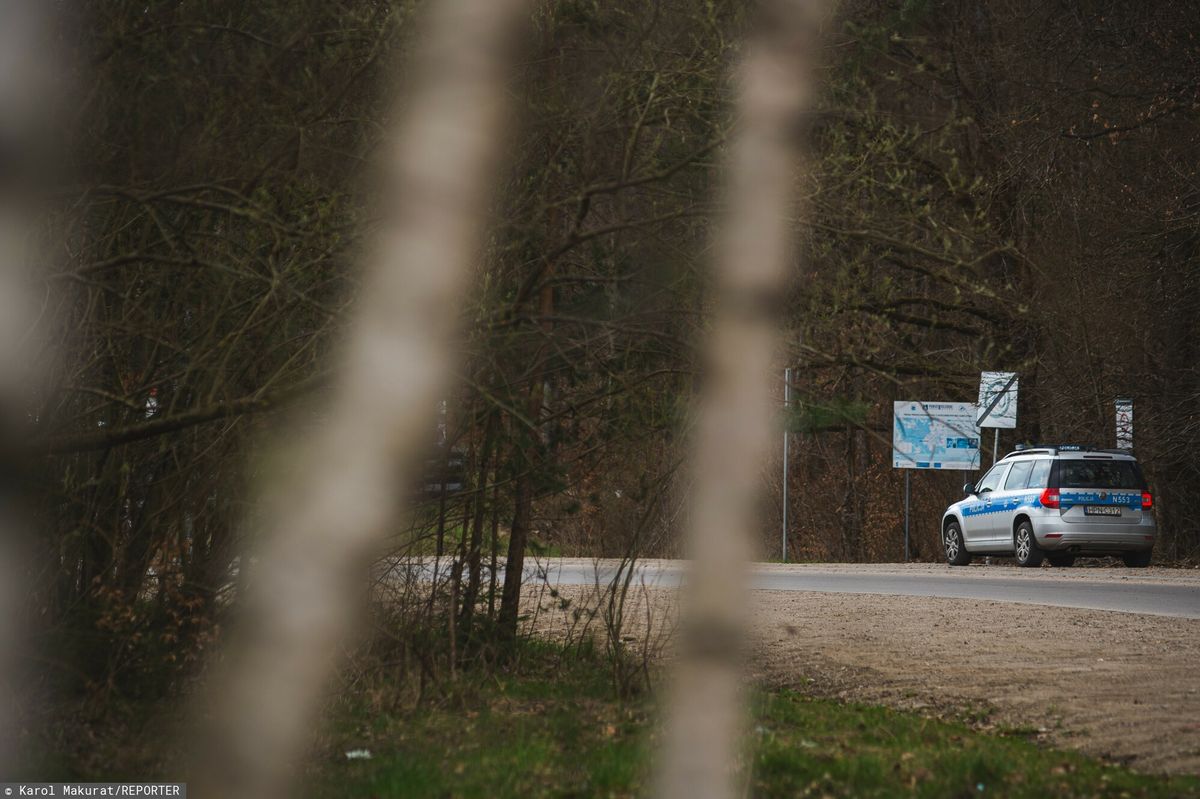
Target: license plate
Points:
(1102, 510)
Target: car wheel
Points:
(1061, 560)
(956, 550)
(1139, 559)
(1025, 546)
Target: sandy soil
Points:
(1119, 686)
(1116, 685)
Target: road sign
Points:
(997, 400)
(934, 435)
(1124, 409)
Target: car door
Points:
(1007, 500)
(977, 513)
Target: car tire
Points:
(1025, 546)
(1061, 561)
(956, 549)
(1139, 559)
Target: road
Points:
(1159, 592)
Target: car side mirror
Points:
(968, 489)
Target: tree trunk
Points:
(471, 592)
(534, 455)
(518, 537)
(399, 359)
(734, 433)
(440, 537)
(495, 545)
(456, 571)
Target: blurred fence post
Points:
(439, 170)
(737, 410)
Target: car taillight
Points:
(1147, 501)
(1050, 498)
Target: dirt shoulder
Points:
(1115, 685)
(1120, 686)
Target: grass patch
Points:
(554, 729)
(816, 747)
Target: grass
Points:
(555, 730)
(552, 732)
(816, 747)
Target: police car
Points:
(1054, 503)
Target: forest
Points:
(988, 186)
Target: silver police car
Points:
(1054, 503)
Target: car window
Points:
(1040, 476)
(991, 480)
(1018, 476)
(1097, 474)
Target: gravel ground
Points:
(1120, 686)
(1115, 685)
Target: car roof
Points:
(1072, 451)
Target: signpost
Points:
(932, 435)
(997, 404)
(1124, 409)
(787, 403)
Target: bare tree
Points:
(396, 364)
(753, 254)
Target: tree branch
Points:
(151, 428)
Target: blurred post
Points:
(737, 411)
(439, 172)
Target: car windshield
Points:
(1098, 474)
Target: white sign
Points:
(997, 400)
(1124, 408)
(934, 435)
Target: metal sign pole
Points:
(995, 445)
(907, 484)
(787, 403)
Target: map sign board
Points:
(1124, 408)
(997, 400)
(934, 435)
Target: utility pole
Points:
(787, 404)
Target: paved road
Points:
(1103, 589)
